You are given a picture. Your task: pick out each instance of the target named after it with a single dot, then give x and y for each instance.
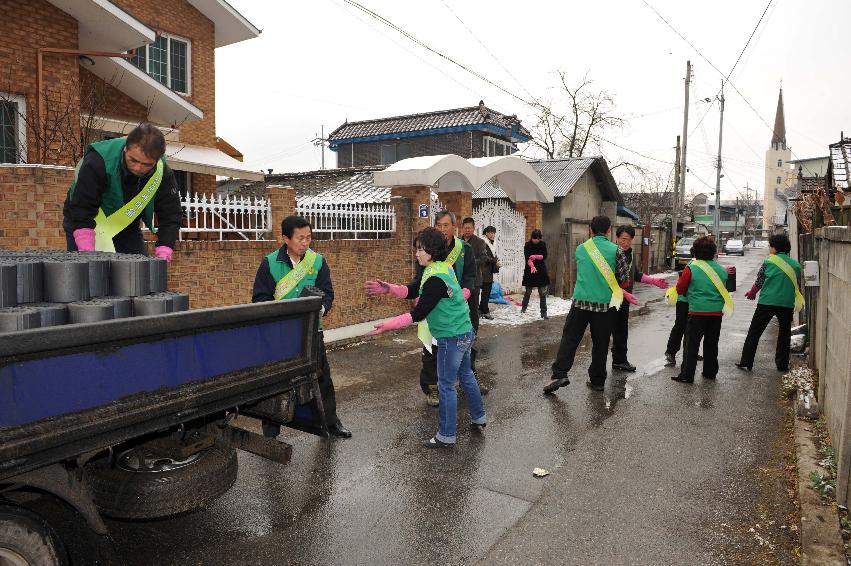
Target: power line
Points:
(748, 42)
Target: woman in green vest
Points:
(442, 312)
(777, 285)
(119, 182)
(703, 280)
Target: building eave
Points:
(103, 26)
(231, 26)
(491, 128)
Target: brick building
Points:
(476, 131)
(64, 82)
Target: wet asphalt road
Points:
(648, 472)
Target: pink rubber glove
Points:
(531, 264)
(85, 239)
(400, 321)
(657, 281)
(466, 293)
(536, 257)
(164, 252)
(379, 287)
(751, 295)
(630, 298)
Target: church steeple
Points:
(778, 138)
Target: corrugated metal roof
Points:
(471, 116)
(559, 175)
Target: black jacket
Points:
(80, 211)
(264, 283)
(480, 252)
(468, 276)
(540, 278)
(489, 267)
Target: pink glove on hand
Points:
(85, 239)
(400, 321)
(657, 281)
(630, 298)
(536, 257)
(751, 295)
(164, 252)
(531, 264)
(379, 287)
(466, 293)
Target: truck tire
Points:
(27, 540)
(125, 493)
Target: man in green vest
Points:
(117, 183)
(777, 285)
(282, 275)
(601, 266)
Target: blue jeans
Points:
(453, 365)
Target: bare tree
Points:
(651, 197)
(572, 125)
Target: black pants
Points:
(542, 296)
(484, 303)
(708, 329)
(620, 333)
(574, 328)
(679, 329)
(129, 241)
(761, 317)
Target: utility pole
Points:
(675, 212)
(736, 226)
(320, 141)
(747, 206)
(718, 175)
(683, 168)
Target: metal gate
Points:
(510, 236)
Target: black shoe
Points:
(783, 369)
(478, 427)
(433, 442)
(707, 376)
(487, 316)
(682, 379)
(555, 384)
(483, 389)
(522, 310)
(744, 367)
(545, 317)
(338, 430)
(595, 386)
(670, 359)
(626, 366)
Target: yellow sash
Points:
(606, 271)
(107, 227)
(456, 252)
(289, 281)
(790, 273)
(671, 295)
(719, 285)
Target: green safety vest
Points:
(290, 281)
(778, 290)
(451, 316)
(703, 296)
(591, 286)
(113, 198)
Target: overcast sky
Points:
(322, 62)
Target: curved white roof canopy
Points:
(450, 173)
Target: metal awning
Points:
(164, 105)
(207, 161)
(103, 26)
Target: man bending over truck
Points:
(282, 275)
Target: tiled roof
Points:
(812, 184)
(559, 175)
(350, 185)
(840, 159)
(458, 117)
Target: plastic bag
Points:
(496, 294)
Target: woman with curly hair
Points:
(703, 280)
(442, 312)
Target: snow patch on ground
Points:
(510, 315)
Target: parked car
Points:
(735, 247)
(683, 252)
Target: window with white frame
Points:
(493, 146)
(13, 131)
(167, 60)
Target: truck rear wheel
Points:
(27, 540)
(138, 487)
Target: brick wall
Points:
(534, 214)
(465, 144)
(31, 198)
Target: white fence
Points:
(228, 217)
(510, 236)
(349, 221)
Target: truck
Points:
(137, 418)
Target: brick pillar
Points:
(283, 205)
(413, 198)
(458, 202)
(534, 213)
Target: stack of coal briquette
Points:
(51, 288)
